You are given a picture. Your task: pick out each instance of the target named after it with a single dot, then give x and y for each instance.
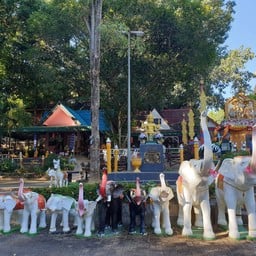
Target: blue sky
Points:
(243, 31)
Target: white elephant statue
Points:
(193, 186)
(34, 206)
(85, 211)
(57, 176)
(9, 204)
(60, 204)
(161, 196)
(235, 188)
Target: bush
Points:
(8, 166)
(233, 154)
(64, 162)
(90, 189)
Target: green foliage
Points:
(48, 162)
(8, 166)
(230, 71)
(217, 116)
(233, 154)
(45, 55)
(38, 171)
(64, 162)
(90, 189)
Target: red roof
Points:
(59, 118)
(175, 116)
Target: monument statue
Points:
(150, 127)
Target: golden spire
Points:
(184, 130)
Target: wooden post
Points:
(181, 153)
(116, 153)
(196, 148)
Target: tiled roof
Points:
(175, 116)
(82, 116)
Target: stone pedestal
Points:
(152, 157)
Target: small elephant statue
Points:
(34, 205)
(109, 204)
(85, 212)
(9, 204)
(137, 206)
(60, 204)
(57, 176)
(161, 196)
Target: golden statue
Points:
(150, 127)
(191, 124)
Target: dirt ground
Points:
(122, 244)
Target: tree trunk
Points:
(96, 15)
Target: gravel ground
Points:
(122, 244)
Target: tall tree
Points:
(94, 31)
(229, 71)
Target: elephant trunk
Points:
(208, 154)
(103, 183)
(20, 192)
(162, 180)
(81, 208)
(253, 160)
(138, 192)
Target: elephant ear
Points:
(10, 204)
(67, 203)
(90, 207)
(31, 196)
(155, 193)
(170, 193)
(227, 169)
(190, 176)
(196, 164)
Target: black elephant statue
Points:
(109, 205)
(137, 206)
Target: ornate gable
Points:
(240, 107)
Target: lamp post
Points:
(129, 34)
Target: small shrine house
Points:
(62, 130)
(236, 128)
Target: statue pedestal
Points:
(152, 157)
(152, 164)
